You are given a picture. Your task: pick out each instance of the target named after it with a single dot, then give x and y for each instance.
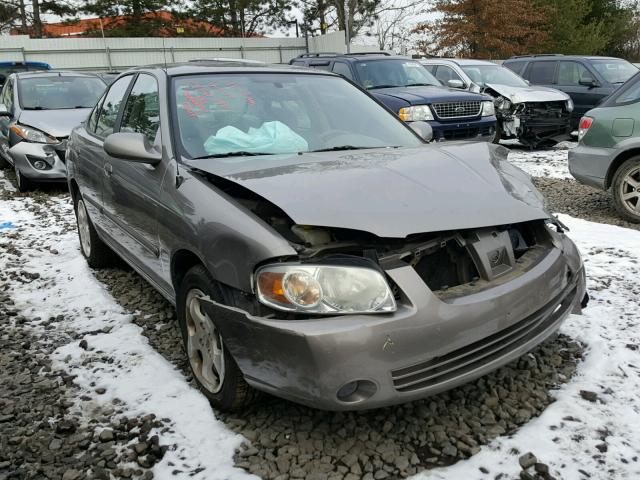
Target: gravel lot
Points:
(50, 427)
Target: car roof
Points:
(53, 73)
(551, 57)
(218, 66)
(351, 57)
(458, 61)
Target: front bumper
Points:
(589, 165)
(532, 129)
(480, 129)
(25, 154)
(427, 346)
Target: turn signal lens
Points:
(585, 124)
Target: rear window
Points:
(627, 94)
(542, 72)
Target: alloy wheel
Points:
(204, 344)
(630, 191)
(84, 229)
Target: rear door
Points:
(131, 189)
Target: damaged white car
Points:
(531, 114)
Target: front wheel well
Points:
(181, 262)
(617, 162)
(74, 190)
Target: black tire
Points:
(94, 250)
(234, 393)
(498, 134)
(23, 184)
(628, 208)
(4, 164)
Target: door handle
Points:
(108, 169)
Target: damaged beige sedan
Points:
(316, 247)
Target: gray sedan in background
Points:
(38, 110)
(314, 245)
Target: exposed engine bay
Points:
(532, 122)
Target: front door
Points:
(6, 99)
(131, 189)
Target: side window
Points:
(142, 111)
(342, 69)
(515, 66)
(299, 63)
(542, 73)
(108, 115)
(93, 117)
(7, 95)
(444, 74)
(570, 73)
(430, 68)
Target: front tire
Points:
(626, 190)
(22, 183)
(213, 367)
(94, 250)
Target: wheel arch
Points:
(182, 261)
(74, 190)
(617, 162)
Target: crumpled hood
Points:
(391, 192)
(528, 94)
(57, 123)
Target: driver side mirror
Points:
(423, 129)
(134, 147)
(589, 82)
(456, 83)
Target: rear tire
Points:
(94, 250)
(625, 189)
(214, 369)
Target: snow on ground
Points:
(569, 434)
(572, 434)
(542, 163)
(137, 375)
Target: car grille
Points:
(464, 133)
(468, 358)
(457, 109)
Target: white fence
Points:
(120, 53)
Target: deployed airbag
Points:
(270, 137)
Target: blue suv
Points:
(414, 94)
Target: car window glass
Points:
(515, 66)
(615, 70)
(430, 68)
(393, 73)
(570, 73)
(111, 106)
(93, 118)
(342, 69)
(57, 92)
(279, 113)
(630, 95)
(542, 72)
(7, 95)
(142, 111)
(444, 74)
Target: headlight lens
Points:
(324, 289)
(569, 105)
(488, 109)
(415, 114)
(31, 134)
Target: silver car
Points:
(530, 114)
(38, 110)
(314, 245)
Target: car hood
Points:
(528, 94)
(423, 95)
(391, 192)
(57, 123)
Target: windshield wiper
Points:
(234, 154)
(420, 85)
(375, 87)
(339, 148)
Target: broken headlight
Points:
(488, 109)
(502, 103)
(31, 134)
(415, 114)
(324, 289)
(569, 105)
